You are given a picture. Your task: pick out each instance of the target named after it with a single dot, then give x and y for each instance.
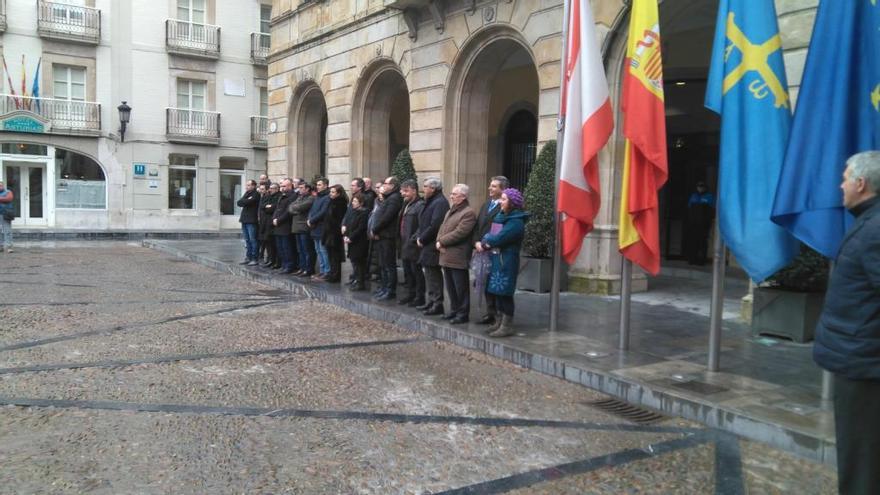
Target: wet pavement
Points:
(126, 370)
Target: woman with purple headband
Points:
(503, 242)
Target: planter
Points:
(784, 313)
(535, 274)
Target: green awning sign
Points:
(23, 121)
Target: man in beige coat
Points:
(454, 244)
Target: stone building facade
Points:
(471, 87)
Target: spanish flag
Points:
(644, 127)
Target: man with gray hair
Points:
(454, 245)
(430, 220)
(848, 333)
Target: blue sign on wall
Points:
(140, 169)
(23, 123)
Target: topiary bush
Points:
(538, 242)
(808, 272)
(403, 167)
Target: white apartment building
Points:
(193, 73)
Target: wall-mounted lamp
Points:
(124, 119)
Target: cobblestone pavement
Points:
(123, 370)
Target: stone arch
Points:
(476, 103)
(380, 119)
(307, 132)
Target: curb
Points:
(665, 400)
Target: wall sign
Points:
(24, 121)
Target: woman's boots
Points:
(505, 328)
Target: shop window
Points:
(80, 182)
(24, 149)
(181, 188)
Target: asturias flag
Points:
(644, 126)
(586, 108)
(838, 115)
(748, 89)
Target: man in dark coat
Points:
(281, 224)
(384, 231)
(249, 203)
(315, 221)
(414, 278)
(848, 332)
(268, 204)
(436, 206)
(485, 216)
(357, 187)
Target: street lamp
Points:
(124, 118)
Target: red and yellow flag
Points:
(644, 128)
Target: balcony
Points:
(192, 126)
(59, 21)
(192, 40)
(80, 118)
(259, 131)
(260, 43)
(2, 16)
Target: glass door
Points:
(27, 181)
(231, 189)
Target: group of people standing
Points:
(305, 229)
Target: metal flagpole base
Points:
(717, 301)
(625, 299)
(827, 385)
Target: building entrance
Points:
(27, 181)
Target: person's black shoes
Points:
(486, 320)
(406, 300)
(458, 320)
(434, 311)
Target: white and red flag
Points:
(586, 110)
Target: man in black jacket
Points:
(485, 216)
(436, 206)
(281, 224)
(384, 232)
(413, 277)
(848, 332)
(249, 203)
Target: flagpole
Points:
(560, 135)
(625, 298)
(827, 376)
(717, 299)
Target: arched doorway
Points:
(493, 94)
(380, 123)
(307, 137)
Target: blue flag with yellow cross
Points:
(837, 116)
(748, 89)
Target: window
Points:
(264, 102)
(191, 102)
(181, 182)
(69, 82)
(191, 11)
(80, 182)
(265, 17)
(63, 14)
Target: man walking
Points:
(249, 204)
(485, 217)
(6, 198)
(384, 231)
(848, 333)
(430, 220)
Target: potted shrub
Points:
(788, 304)
(536, 273)
(403, 167)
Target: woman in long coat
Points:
(504, 241)
(356, 238)
(331, 238)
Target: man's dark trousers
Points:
(434, 285)
(458, 287)
(387, 264)
(414, 280)
(282, 244)
(857, 421)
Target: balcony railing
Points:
(69, 22)
(259, 131)
(66, 116)
(2, 16)
(195, 40)
(192, 126)
(260, 44)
